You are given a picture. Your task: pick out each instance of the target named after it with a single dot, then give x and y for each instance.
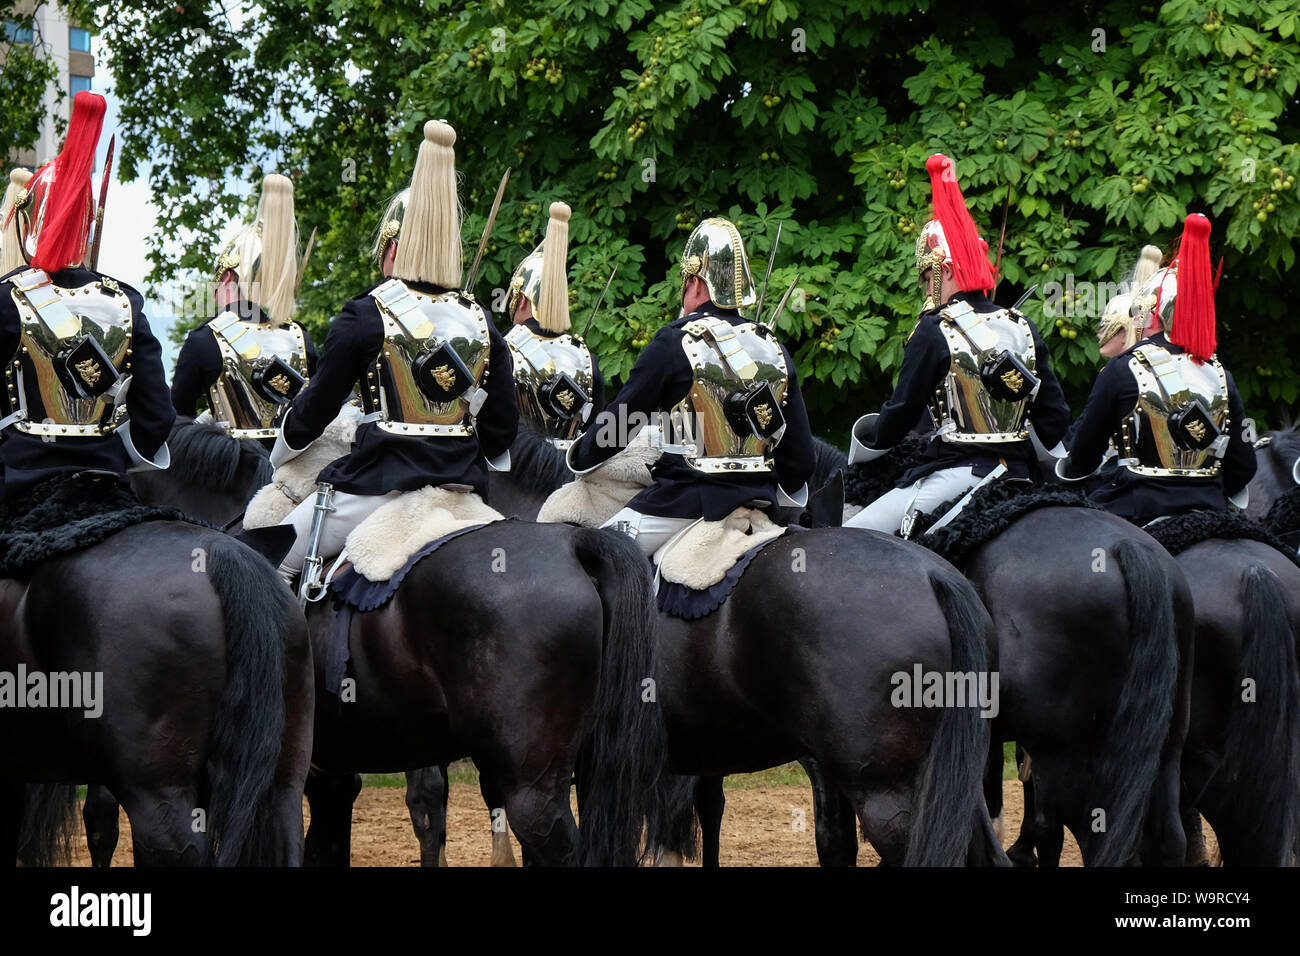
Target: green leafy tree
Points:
(1086, 130)
(26, 71)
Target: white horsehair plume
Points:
(553, 297)
(11, 255)
(1147, 265)
(279, 271)
(428, 247)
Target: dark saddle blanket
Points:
(1181, 532)
(67, 514)
(691, 604)
(991, 510)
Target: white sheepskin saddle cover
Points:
(381, 545)
(592, 499)
(705, 552)
(295, 480)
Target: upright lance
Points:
(103, 198)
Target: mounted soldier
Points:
(1168, 404)
(724, 393)
(982, 371)
(1122, 323)
(557, 378)
(434, 374)
(251, 359)
(84, 383)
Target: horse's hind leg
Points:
(543, 821)
(710, 802)
(1163, 841)
(168, 828)
(100, 814)
(885, 815)
(834, 822)
(503, 852)
(1021, 853)
(329, 837)
(426, 791)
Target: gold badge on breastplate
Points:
(445, 377)
(1196, 430)
(89, 371)
(280, 383)
(565, 398)
(764, 414)
(1013, 380)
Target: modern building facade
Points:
(69, 46)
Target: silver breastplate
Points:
(74, 362)
(984, 398)
(554, 379)
(732, 419)
(263, 366)
(1179, 426)
(429, 376)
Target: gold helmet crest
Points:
(716, 253)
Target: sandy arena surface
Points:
(758, 829)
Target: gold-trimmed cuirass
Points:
(73, 365)
(963, 408)
(732, 419)
(263, 366)
(1150, 440)
(554, 381)
(429, 376)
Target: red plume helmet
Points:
(65, 209)
(969, 253)
(1193, 325)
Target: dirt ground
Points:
(761, 827)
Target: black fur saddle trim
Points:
(991, 510)
(689, 604)
(1179, 533)
(867, 481)
(70, 513)
(1284, 516)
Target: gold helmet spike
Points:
(11, 253)
(264, 256)
(715, 253)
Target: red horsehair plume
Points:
(1194, 305)
(65, 227)
(969, 253)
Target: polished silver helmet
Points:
(716, 254)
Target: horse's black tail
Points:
(950, 800)
(48, 824)
(1261, 766)
(1129, 759)
(249, 722)
(624, 752)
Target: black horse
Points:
(1275, 459)
(1094, 634)
(205, 731)
(523, 646)
(799, 664)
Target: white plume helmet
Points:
(428, 236)
(553, 299)
(1125, 312)
(264, 256)
(11, 254)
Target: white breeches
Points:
(650, 532)
(349, 511)
(886, 513)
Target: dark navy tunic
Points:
(28, 459)
(199, 365)
(381, 462)
(926, 361)
(1139, 497)
(662, 378)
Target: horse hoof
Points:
(1019, 856)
